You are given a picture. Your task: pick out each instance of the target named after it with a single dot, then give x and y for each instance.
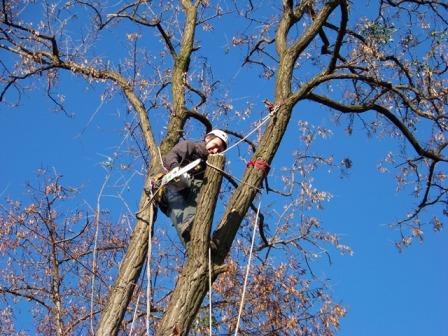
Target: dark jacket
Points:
(184, 153)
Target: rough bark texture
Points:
(130, 269)
(400, 99)
(135, 256)
(192, 284)
(181, 59)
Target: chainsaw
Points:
(179, 177)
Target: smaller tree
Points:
(46, 247)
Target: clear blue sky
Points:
(385, 292)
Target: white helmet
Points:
(220, 134)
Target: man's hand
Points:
(183, 181)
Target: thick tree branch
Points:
(199, 93)
(130, 269)
(261, 222)
(386, 113)
(289, 56)
(192, 284)
(395, 89)
(180, 69)
(136, 103)
(290, 16)
(53, 62)
(301, 44)
(201, 118)
(341, 32)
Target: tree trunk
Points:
(192, 284)
(130, 269)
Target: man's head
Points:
(216, 141)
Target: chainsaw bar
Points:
(176, 172)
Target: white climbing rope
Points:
(95, 246)
(263, 121)
(210, 289)
(134, 316)
(148, 268)
(231, 176)
(247, 270)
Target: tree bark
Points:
(134, 258)
(192, 284)
(130, 269)
(179, 112)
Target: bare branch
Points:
(13, 79)
(386, 113)
(341, 33)
(17, 293)
(201, 118)
(199, 93)
(180, 69)
(302, 43)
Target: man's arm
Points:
(178, 155)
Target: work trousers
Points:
(181, 204)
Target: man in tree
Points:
(180, 198)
